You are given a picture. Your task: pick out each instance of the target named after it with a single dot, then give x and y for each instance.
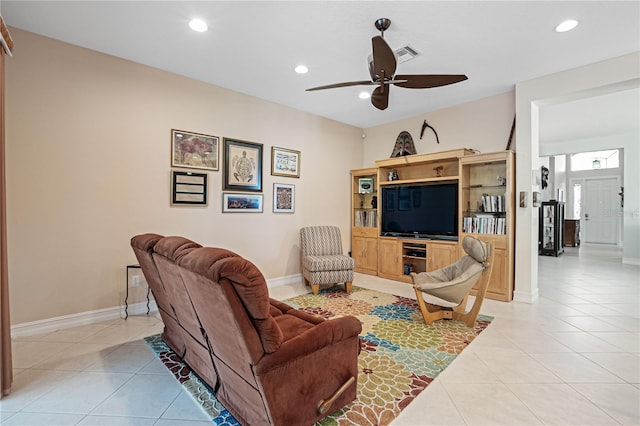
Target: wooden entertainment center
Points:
(485, 208)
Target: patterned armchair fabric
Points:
(323, 261)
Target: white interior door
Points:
(600, 211)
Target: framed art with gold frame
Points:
(285, 162)
(194, 150)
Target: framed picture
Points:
(188, 188)
(285, 162)
(194, 150)
(365, 185)
(242, 165)
(241, 203)
(284, 198)
(536, 199)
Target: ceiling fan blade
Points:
(380, 97)
(425, 81)
(349, 83)
(384, 60)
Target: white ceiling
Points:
(253, 46)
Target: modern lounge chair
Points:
(323, 261)
(453, 284)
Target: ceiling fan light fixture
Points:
(567, 25)
(301, 69)
(198, 25)
(364, 95)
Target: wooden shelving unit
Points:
(477, 176)
(487, 206)
(364, 220)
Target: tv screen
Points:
(428, 210)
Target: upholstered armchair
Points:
(323, 261)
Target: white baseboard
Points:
(91, 317)
(286, 280)
(631, 261)
(521, 296)
(83, 318)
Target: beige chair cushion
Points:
(332, 262)
(475, 248)
(451, 283)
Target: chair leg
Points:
(347, 286)
(315, 288)
(430, 316)
(470, 317)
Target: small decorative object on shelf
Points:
(438, 170)
(502, 181)
(374, 202)
(404, 145)
(393, 175)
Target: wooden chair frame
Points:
(431, 312)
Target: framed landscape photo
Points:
(285, 162)
(194, 150)
(241, 203)
(242, 165)
(188, 188)
(284, 198)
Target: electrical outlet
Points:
(135, 281)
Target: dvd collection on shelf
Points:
(366, 218)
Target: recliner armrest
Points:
(321, 335)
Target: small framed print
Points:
(194, 150)
(536, 199)
(242, 165)
(188, 188)
(365, 185)
(285, 162)
(241, 203)
(284, 198)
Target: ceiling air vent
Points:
(405, 54)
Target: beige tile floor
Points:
(571, 358)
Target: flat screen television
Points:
(422, 210)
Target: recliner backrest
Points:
(230, 295)
(167, 252)
(143, 249)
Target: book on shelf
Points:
(484, 224)
(493, 203)
(366, 218)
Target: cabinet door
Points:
(365, 254)
(499, 285)
(440, 255)
(388, 257)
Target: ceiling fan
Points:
(382, 70)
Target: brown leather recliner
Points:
(267, 362)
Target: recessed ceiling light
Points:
(301, 69)
(567, 25)
(364, 95)
(198, 25)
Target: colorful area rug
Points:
(400, 354)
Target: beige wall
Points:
(88, 167)
(483, 125)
